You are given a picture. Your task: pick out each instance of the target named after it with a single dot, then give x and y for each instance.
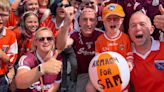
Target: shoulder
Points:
(125, 36)
(97, 33)
(100, 37)
(161, 45)
(99, 30)
(48, 19)
(28, 59)
(10, 33)
(75, 34)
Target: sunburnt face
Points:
(140, 29)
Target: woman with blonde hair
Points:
(39, 70)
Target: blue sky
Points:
(11, 1)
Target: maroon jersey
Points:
(130, 7)
(31, 60)
(84, 48)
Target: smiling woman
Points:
(28, 26)
(41, 64)
(43, 40)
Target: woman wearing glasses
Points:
(62, 16)
(56, 20)
(39, 70)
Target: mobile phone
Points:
(159, 64)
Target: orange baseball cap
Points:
(113, 9)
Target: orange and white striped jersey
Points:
(120, 44)
(8, 44)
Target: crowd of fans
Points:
(40, 38)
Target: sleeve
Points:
(97, 47)
(13, 50)
(58, 79)
(129, 55)
(17, 32)
(25, 62)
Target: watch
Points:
(40, 69)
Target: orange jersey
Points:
(8, 44)
(13, 20)
(17, 32)
(24, 43)
(24, 46)
(50, 22)
(120, 44)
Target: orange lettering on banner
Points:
(109, 77)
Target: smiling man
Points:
(147, 74)
(84, 45)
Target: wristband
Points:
(40, 69)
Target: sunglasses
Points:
(63, 5)
(42, 39)
(114, 19)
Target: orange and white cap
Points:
(113, 9)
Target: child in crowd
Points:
(113, 38)
(8, 47)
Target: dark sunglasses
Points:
(42, 39)
(63, 5)
(89, 3)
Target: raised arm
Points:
(63, 31)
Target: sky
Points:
(11, 1)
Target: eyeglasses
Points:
(114, 19)
(63, 5)
(4, 15)
(88, 3)
(42, 39)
